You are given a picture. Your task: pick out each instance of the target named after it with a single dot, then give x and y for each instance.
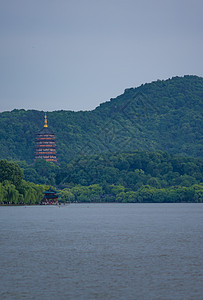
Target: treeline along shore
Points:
(134, 177)
(14, 190)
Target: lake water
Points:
(102, 251)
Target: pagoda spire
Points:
(45, 120)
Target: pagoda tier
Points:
(45, 146)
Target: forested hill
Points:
(162, 115)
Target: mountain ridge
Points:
(163, 115)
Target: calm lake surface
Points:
(102, 251)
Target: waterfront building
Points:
(45, 146)
(50, 197)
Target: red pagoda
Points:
(45, 144)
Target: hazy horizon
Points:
(75, 55)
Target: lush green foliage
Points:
(145, 194)
(132, 170)
(40, 172)
(162, 115)
(10, 172)
(138, 176)
(15, 190)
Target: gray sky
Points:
(76, 54)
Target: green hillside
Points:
(162, 115)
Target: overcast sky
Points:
(76, 54)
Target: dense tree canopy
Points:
(15, 190)
(132, 170)
(139, 176)
(11, 172)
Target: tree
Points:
(95, 192)
(2, 193)
(121, 197)
(11, 172)
(132, 196)
(65, 195)
(11, 194)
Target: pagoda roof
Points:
(50, 191)
(45, 130)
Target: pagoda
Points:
(50, 197)
(45, 147)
